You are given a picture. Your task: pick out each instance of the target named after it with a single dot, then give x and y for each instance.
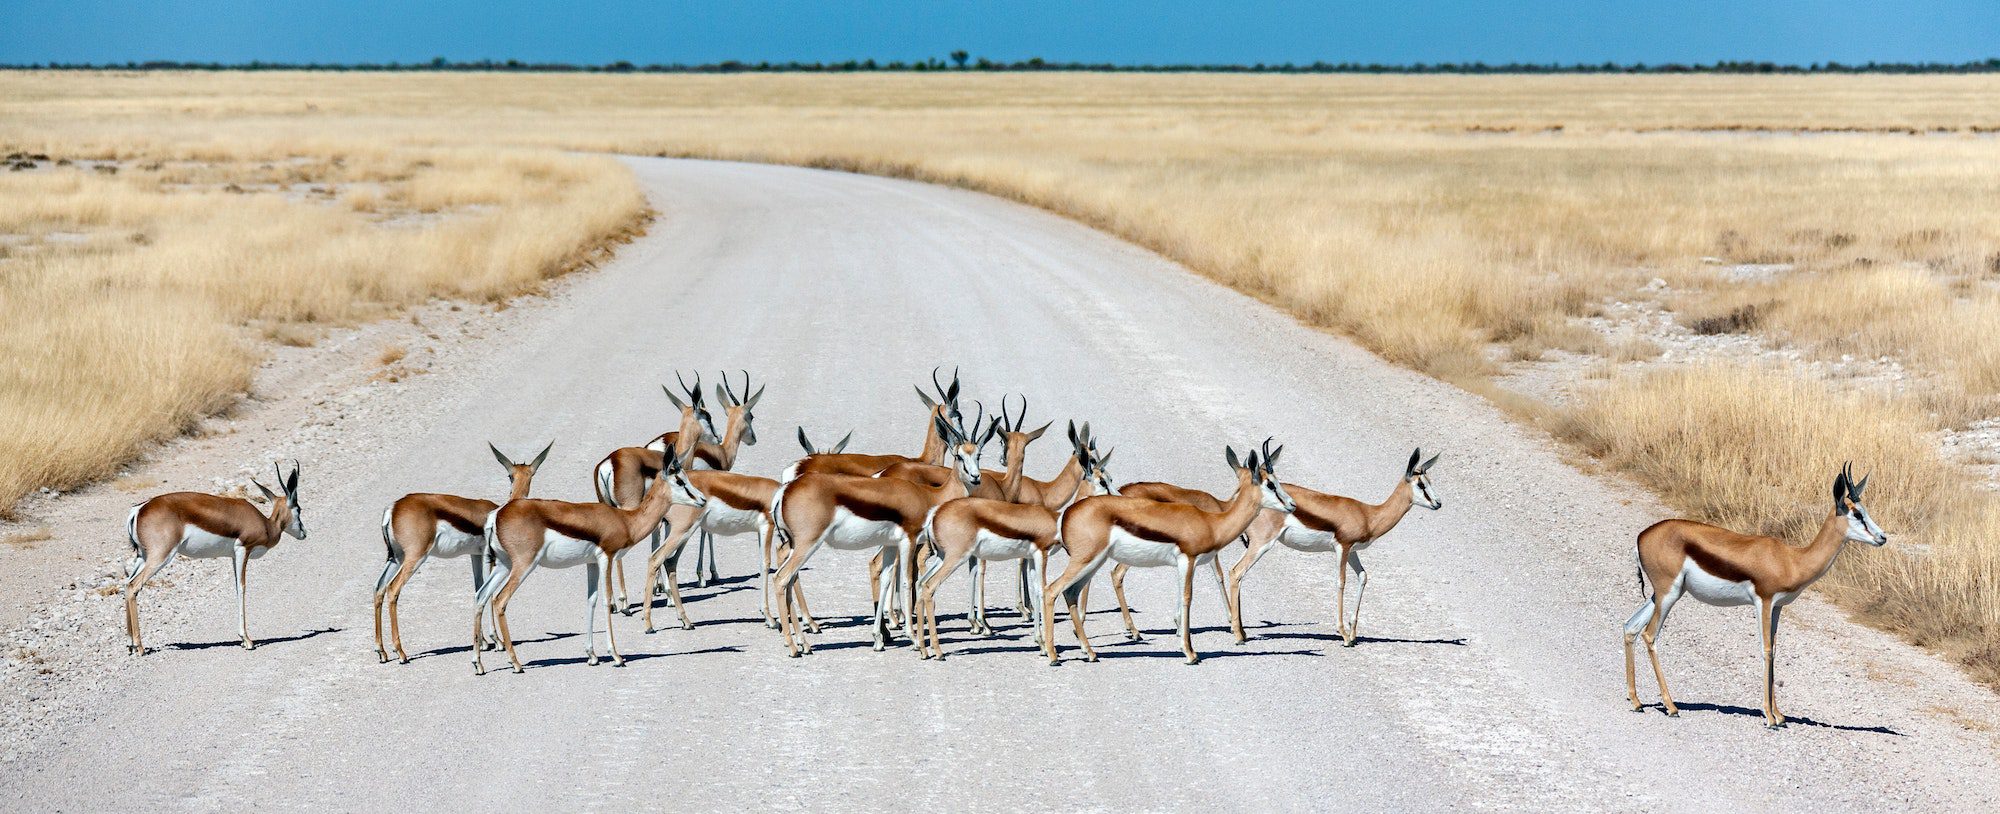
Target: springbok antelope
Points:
(1148, 533)
(857, 513)
(1721, 567)
(203, 526)
(1163, 493)
(737, 432)
(737, 504)
(530, 533)
(1325, 522)
(422, 525)
(622, 476)
(977, 530)
(837, 462)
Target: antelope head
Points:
(1861, 527)
(519, 474)
(1418, 476)
(1014, 440)
(684, 493)
(736, 409)
(285, 509)
(1262, 474)
(964, 448)
(1095, 467)
(693, 409)
(946, 403)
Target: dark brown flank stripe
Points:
(867, 509)
(1316, 522)
(1714, 565)
(733, 496)
(570, 530)
(999, 525)
(462, 524)
(1142, 532)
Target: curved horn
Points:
(938, 385)
(1017, 423)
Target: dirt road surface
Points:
(1489, 676)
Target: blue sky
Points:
(1115, 31)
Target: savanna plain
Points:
(1721, 286)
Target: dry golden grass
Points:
(1428, 217)
(126, 297)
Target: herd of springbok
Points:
(923, 518)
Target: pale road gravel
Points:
(1490, 679)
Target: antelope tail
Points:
(138, 560)
(778, 516)
(604, 484)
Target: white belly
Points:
(1297, 537)
(1138, 553)
(451, 542)
(202, 545)
(852, 533)
(720, 519)
(559, 551)
(989, 546)
(1714, 590)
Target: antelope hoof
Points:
(1673, 712)
(402, 659)
(1194, 660)
(1134, 637)
(518, 670)
(617, 661)
(592, 661)
(687, 625)
(478, 670)
(249, 645)
(381, 657)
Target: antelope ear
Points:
(722, 397)
(752, 403)
(541, 456)
(1426, 468)
(926, 397)
(952, 393)
(1105, 459)
(268, 494)
(499, 456)
(1256, 471)
(943, 428)
(1229, 455)
(1840, 492)
(1855, 490)
(678, 404)
(804, 442)
(843, 441)
(292, 483)
(1411, 467)
(1072, 433)
(1036, 435)
(1271, 460)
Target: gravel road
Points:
(1490, 675)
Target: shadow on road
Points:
(605, 659)
(1360, 640)
(260, 642)
(446, 651)
(1731, 709)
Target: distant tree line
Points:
(962, 61)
